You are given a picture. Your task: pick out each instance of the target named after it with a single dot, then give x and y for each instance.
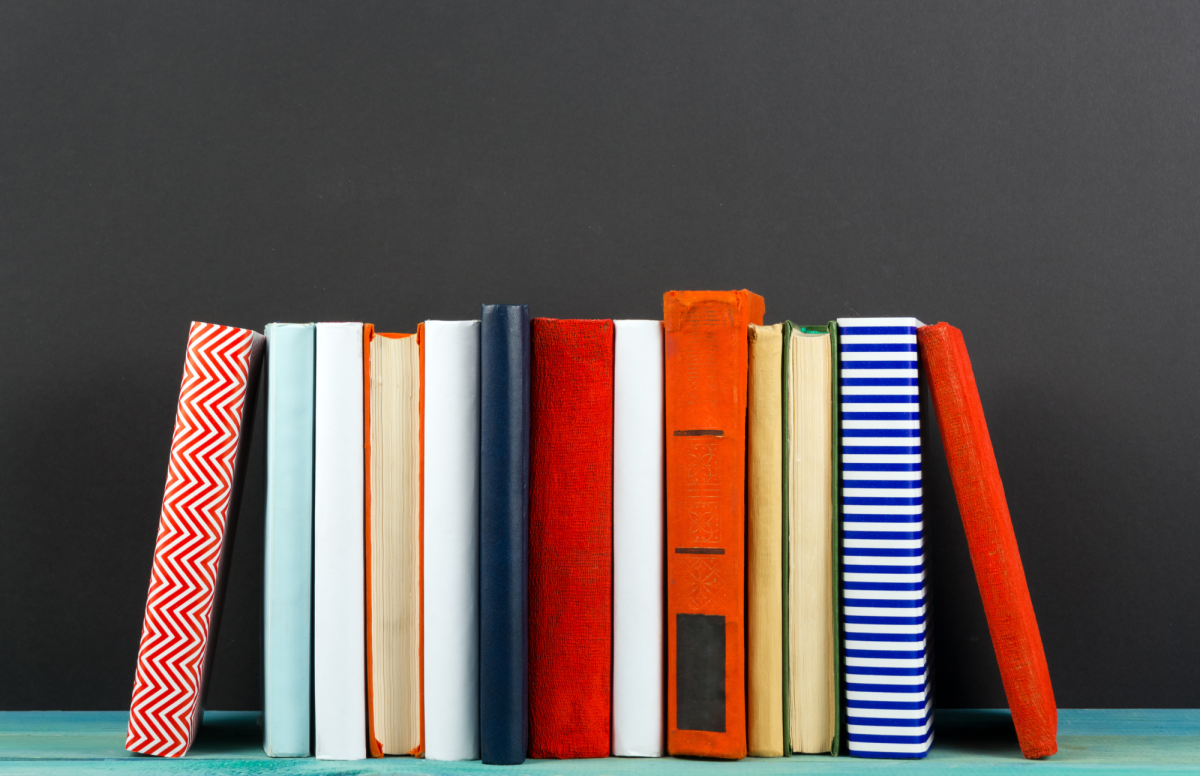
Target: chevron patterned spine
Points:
(191, 531)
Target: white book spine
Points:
(338, 626)
(451, 540)
(637, 692)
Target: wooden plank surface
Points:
(1090, 740)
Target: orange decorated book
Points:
(392, 404)
(705, 382)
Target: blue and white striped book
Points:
(889, 711)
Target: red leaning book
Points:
(570, 538)
(990, 536)
(707, 348)
(195, 537)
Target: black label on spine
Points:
(700, 672)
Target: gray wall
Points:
(1029, 172)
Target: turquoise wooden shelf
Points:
(1089, 740)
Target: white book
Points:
(637, 699)
(451, 540)
(339, 681)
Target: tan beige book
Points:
(812, 662)
(764, 547)
(393, 552)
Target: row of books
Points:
(574, 538)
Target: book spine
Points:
(764, 550)
(374, 745)
(888, 706)
(392, 392)
(420, 750)
(705, 387)
(570, 538)
(504, 533)
(637, 680)
(451, 540)
(991, 539)
(287, 561)
(199, 512)
(339, 686)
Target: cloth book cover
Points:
(195, 537)
(504, 533)
(764, 545)
(451, 539)
(991, 539)
(339, 644)
(288, 526)
(392, 533)
(889, 711)
(637, 672)
(811, 539)
(570, 538)
(705, 387)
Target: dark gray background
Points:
(1027, 171)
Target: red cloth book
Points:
(706, 371)
(998, 569)
(191, 555)
(570, 538)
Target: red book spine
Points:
(570, 538)
(199, 511)
(993, 545)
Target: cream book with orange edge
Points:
(392, 425)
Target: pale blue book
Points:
(287, 565)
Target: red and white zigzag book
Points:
(195, 536)
(991, 539)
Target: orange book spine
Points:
(420, 750)
(705, 381)
(374, 748)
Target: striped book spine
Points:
(888, 707)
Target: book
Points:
(764, 544)
(200, 504)
(392, 531)
(570, 538)
(637, 673)
(287, 551)
(339, 645)
(503, 533)
(990, 537)
(451, 543)
(888, 705)
(810, 528)
(705, 387)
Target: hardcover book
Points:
(810, 530)
(392, 451)
(570, 538)
(504, 534)
(451, 540)
(195, 537)
(339, 645)
(888, 708)
(288, 526)
(637, 679)
(764, 545)
(705, 386)
(991, 539)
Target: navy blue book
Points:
(504, 534)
